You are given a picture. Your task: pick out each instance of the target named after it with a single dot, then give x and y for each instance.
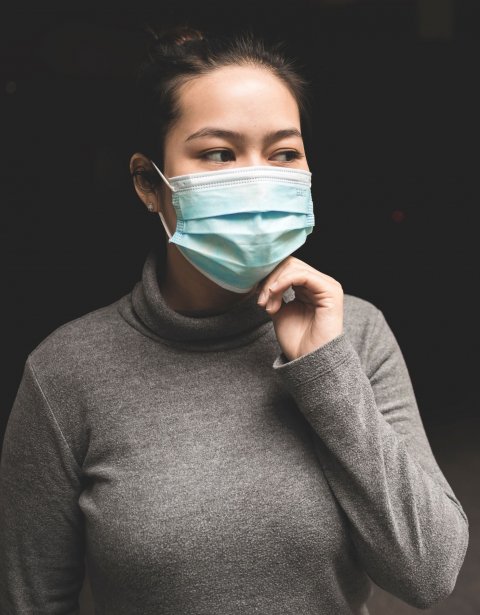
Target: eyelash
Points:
(295, 155)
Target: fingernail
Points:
(262, 297)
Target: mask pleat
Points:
(244, 198)
(256, 228)
(229, 252)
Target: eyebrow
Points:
(270, 137)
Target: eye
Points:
(287, 155)
(218, 155)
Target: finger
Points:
(301, 293)
(266, 290)
(263, 290)
(287, 262)
(314, 285)
(304, 278)
(300, 277)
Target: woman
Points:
(236, 435)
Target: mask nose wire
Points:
(172, 189)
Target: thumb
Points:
(275, 315)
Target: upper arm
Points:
(41, 524)
(395, 399)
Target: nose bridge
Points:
(253, 156)
(252, 153)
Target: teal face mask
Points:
(236, 225)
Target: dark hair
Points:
(182, 53)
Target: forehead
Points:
(244, 95)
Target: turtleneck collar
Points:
(146, 309)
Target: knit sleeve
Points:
(408, 527)
(41, 524)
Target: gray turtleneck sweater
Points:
(194, 470)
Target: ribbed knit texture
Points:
(198, 472)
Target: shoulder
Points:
(70, 365)
(359, 314)
(79, 345)
(372, 337)
(366, 327)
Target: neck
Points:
(190, 293)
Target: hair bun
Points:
(176, 36)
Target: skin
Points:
(254, 103)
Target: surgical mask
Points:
(236, 225)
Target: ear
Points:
(144, 181)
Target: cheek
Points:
(172, 217)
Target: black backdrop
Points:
(394, 162)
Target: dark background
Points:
(394, 161)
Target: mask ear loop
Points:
(172, 189)
(163, 177)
